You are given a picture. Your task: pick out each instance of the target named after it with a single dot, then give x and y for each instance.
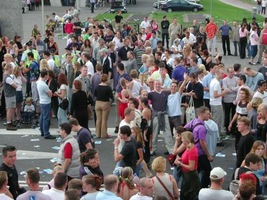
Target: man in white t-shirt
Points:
(129, 114)
(88, 64)
(215, 192)
(261, 91)
(145, 23)
(49, 59)
(146, 190)
(58, 191)
(216, 95)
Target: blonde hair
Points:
(188, 137)
(159, 164)
(16, 71)
(8, 55)
(255, 102)
(44, 65)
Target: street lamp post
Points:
(43, 25)
(210, 8)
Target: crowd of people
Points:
(163, 79)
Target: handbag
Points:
(168, 191)
(171, 159)
(64, 104)
(190, 111)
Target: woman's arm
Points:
(141, 156)
(56, 46)
(233, 120)
(190, 166)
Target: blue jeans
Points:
(45, 119)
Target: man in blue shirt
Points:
(225, 31)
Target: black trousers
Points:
(229, 112)
(204, 167)
(92, 7)
(226, 40)
(165, 36)
(207, 103)
(243, 44)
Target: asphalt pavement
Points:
(34, 151)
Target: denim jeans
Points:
(45, 119)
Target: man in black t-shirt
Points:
(9, 159)
(118, 19)
(77, 28)
(246, 140)
(84, 137)
(128, 152)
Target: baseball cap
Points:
(217, 173)
(261, 82)
(68, 48)
(29, 43)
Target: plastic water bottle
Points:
(136, 179)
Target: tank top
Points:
(241, 109)
(158, 188)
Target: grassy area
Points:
(220, 12)
(252, 2)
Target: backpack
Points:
(193, 127)
(264, 37)
(234, 184)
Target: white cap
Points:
(217, 173)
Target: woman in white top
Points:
(254, 41)
(118, 41)
(91, 185)
(62, 93)
(19, 79)
(135, 85)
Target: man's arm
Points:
(203, 145)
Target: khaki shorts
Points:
(10, 102)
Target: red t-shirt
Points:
(148, 36)
(190, 155)
(68, 151)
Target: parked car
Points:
(117, 6)
(158, 3)
(180, 5)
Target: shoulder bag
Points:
(168, 191)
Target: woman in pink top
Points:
(188, 162)
(68, 27)
(243, 33)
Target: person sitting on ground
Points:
(163, 178)
(146, 190)
(247, 188)
(57, 169)
(111, 185)
(126, 188)
(76, 184)
(4, 192)
(252, 164)
(72, 195)
(91, 185)
(60, 184)
(32, 180)
(217, 177)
